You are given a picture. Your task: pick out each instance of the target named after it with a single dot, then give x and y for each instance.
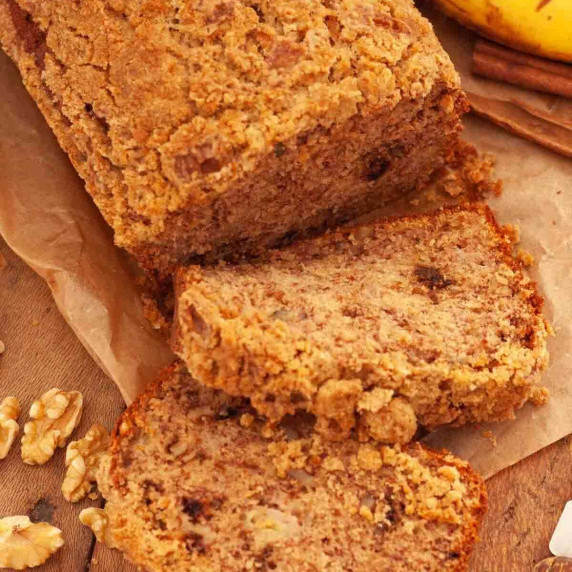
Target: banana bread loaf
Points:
(225, 125)
(420, 320)
(191, 485)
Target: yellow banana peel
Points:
(540, 27)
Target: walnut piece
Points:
(56, 414)
(9, 412)
(269, 525)
(82, 461)
(24, 544)
(98, 521)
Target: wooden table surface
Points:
(42, 352)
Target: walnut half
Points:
(24, 544)
(56, 414)
(82, 460)
(9, 412)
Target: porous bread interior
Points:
(432, 308)
(249, 83)
(233, 500)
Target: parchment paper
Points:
(48, 219)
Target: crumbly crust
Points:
(192, 485)
(267, 106)
(432, 309)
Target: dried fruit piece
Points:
(97, 520)
(9, 412)
(24, 544)
(82, 460)
(56, 414)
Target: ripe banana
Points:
(541, 27)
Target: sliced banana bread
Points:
(192, 485)
(420, 320)
(226, 124)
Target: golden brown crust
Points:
(433, 312)
(436, 502)
(268, 109)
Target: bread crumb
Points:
(375, 399)
(287, 456)
(490, 436)
(268, 431)
(449, 473)
(153, 314)
(525, 257)
(369, 458)
(394, 423)
(468, 174)
(512, 232)
(539, 396)
(2, 347)
(431, 503)
(332, 464)
(409, 526)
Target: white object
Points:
(561, 541)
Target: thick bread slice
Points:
(426, 319)
(192, 485)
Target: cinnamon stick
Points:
(503, 64)
(515, 119)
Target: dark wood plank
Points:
(525, 502)
(107, 560)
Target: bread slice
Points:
(209, 127)
(192, 485)
(419, 320)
